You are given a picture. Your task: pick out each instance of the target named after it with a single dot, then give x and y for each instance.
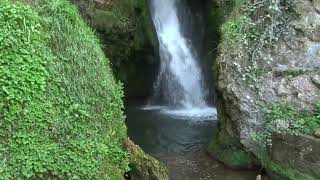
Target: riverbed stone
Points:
(316, 80)
(317, 133)
(297, 152)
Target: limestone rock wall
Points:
(290, 75)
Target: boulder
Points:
(297, 152)
(144, 167)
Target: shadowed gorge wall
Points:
(126, 31)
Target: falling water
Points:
(179, 83)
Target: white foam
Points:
(196, 114)
(207, 113)
(151, 107)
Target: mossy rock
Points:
(143, 166)
(228, 151)
(280, 172)
(232, 157)
(298, 155)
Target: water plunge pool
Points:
(180, 141)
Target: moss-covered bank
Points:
(60, 106)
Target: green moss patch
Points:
(229, 151)
(144, 166)
(60, 108)
(277, 171)
(281, 118)
(232, 157)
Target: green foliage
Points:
(281, 118)
(233, 29)
(284, 119)
(249, 35)
(60, 108)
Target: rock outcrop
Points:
(285, 70)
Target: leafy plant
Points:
(60, 107)
(280, 118)
(249, 36)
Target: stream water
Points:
(180, 141)
(177, 124)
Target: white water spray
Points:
(179, 83)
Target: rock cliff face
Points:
(126, 31)
(270, 53)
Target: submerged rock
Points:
(144, 167)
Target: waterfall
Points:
(179, 83)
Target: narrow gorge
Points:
(160, 89)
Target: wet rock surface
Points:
(298, 152)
